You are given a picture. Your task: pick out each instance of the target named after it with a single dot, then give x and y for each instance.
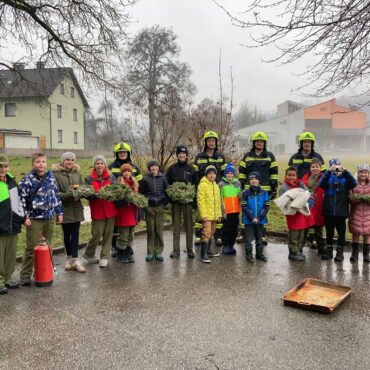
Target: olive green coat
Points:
(72, 208)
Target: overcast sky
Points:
(203, 29)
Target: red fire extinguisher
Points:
(44, 265)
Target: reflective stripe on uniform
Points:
(297, 161)
(242, 176)
(196, 167)
(202, 161)
(242, 164)
(273, 177)
(264, 187)
(223, 167)
(308, 160)
(249, 159)
(273, 164)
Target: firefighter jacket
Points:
(202, 160)
(115, 166)
(302, 163)
(265, 164)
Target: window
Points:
(60, 136)
(61, 86)
(74, 114)
(59, 111)
(9, 109)
(72, 92)
(75, 137)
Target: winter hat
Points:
(181, 149)
(210, 168)
(230, 168)
(254, 175)
(334, 162)
(363, 167)
(152, 162)
(126, 167)
(67, 155)
(99, 157)
(4, 160)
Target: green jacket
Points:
(72, 209)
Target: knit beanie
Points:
(334, 162)
(210, 168)
(254, 175)
(67, 155)
(230, 168)
(126, 167)
(99, 157)
(152, 162)
(181, 149)
(363, 167)
(4, 160)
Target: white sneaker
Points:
(103, 263)
(77, 265)
(90, 259)
(68, 266)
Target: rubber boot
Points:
(354, 255)
(259, 254)
(365, 251)
(204, 252)
(328, 254)
(249, 254)
(296, 256)
(209, 251)
(122, 255)
(339, 257)
(321, 250)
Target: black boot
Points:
(328, 253)
(259, 254)
(249, 254)
(339, 257)
(209, 251)
(365, 251)
(204, 252)
(321, 249)
(354, 255)
(122, 255)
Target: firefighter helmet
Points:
(122, 147)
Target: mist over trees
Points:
(248, 115)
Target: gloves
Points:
(311, 202)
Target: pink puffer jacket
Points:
(359, 220)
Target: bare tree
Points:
(84, 34)
(336, 34)
(248, 115)
(154, 73)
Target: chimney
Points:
(40, 65)
(18, 66)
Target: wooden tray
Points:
(316, 295)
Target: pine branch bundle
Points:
(137, 199)
(181, 192)
(114, 192)
(81, 191)
(361, 198)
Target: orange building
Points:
(337, 128)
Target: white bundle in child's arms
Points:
(293, 201)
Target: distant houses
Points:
(336, 128)
(41, 108)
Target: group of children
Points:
(323, 199)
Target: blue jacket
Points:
(337, 187)
(41, 202)
(255, 204)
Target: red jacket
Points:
(297, 221)
(100, 208)
(127, 213)
(317, 217)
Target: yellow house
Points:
(46, 102)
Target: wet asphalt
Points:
(182, 314)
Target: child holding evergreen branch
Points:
(126, 220)
(359, 221)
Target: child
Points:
(67, 173)
(255, 205)
(40, 196)
(103, 213)
(209, 210)
(312, 180)
(230, 189)
(12, 214)
(154, 186)
(298, 222)
(359, 221)
(126, 219)
(336, 182)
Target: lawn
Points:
(19, 166)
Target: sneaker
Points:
(249, 258)
(264, 241)
(130, 250)
(90, 259)
(232, 250)
(175, 254)
(213, 254)
(12, 284)
(103, 263)
(191, 254)
(159, 257)
(218, 242)
(296, 257)
(25, 281)
(3, 290)
(69, 265)
(149, 257)
(78, 266)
